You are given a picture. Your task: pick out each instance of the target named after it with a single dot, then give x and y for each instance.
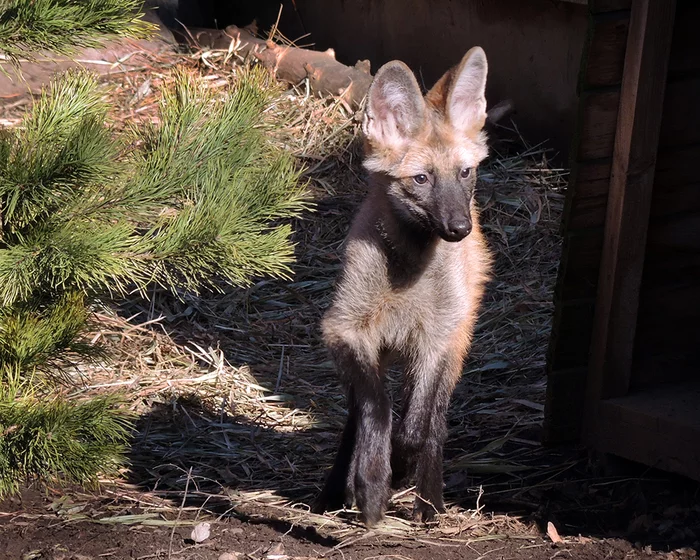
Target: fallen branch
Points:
(326, 75)
(290, 64)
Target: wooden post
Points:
(629, 200)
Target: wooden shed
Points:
(624, 357)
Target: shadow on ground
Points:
(263, 435)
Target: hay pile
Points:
(240, 406)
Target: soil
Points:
(36, 526)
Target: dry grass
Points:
(240, 406)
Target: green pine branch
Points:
(199, 202)
(196, 200)
(61, 441)
(28, 26)
(226, 183)
(38, 341)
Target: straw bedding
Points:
(240, 406)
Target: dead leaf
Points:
(553, 534)
(201, 532)
(276, 552)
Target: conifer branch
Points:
(200, 199)
(62, 26)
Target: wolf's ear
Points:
(466, 102)
(395, 108)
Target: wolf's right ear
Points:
(466, 101)
(395, 108)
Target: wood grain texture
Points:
(597, 124)
(676, 189)
(660, 428)
(581, 266)
(605, 59)
(629, 199)
(589, 186)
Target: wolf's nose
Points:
(459, 228)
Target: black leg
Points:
(336, 491)
(418, 443)
(429, 478)
(362, 466)
(410, 434)
(371, 461)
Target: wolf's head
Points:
(428, 148)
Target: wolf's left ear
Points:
(466, 101)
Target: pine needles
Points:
(61, 440)
(220, 184)
(64, 25)
(37, 338)
(195, 200)
(192, 204)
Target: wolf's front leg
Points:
(418, 443)
(429, 478)
(338, 490)
(367, 473)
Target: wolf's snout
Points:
(456, 230)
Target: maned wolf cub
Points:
(415, 268)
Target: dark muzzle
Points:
(456, 229)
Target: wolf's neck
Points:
(410, 248)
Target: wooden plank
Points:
(685, 49)
(599, 6)
(564, 405)
(659, 427)
(627, 216)
(597, 124)
(571, 330)
(580, 266)
(589, 185)
(571, 334)
(605, 57)
(681, 118)
(677, 183)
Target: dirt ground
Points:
(35, 527)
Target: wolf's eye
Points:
(466, 173)
(420, 179)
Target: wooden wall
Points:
(667, 345)
(584, 216)
(667, 336)
(533, 46)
